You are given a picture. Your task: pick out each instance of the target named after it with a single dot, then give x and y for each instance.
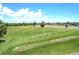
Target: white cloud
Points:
(0, 6)
(27, 15)
(22, 15)
(6, 11)
(39, 13)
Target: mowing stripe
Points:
(34, 45)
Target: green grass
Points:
(22, 37)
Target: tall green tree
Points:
(3, 29)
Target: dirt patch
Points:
(75, 53)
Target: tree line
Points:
(42, 24)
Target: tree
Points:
(3, 29)
(42, 24)
(1, 22)
(34, 23)
(66, 25)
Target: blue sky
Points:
(49, 12)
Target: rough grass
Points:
(21, 36)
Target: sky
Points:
(38, 12)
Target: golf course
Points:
(35, 40)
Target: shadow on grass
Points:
(2, 40)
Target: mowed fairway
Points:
(30, 40)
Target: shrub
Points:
(3, 29)
(34, 23)
(42, 24)
(66, 25)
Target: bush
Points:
(34, 23)
(3, 29)
(42, 24)
(66, 25)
